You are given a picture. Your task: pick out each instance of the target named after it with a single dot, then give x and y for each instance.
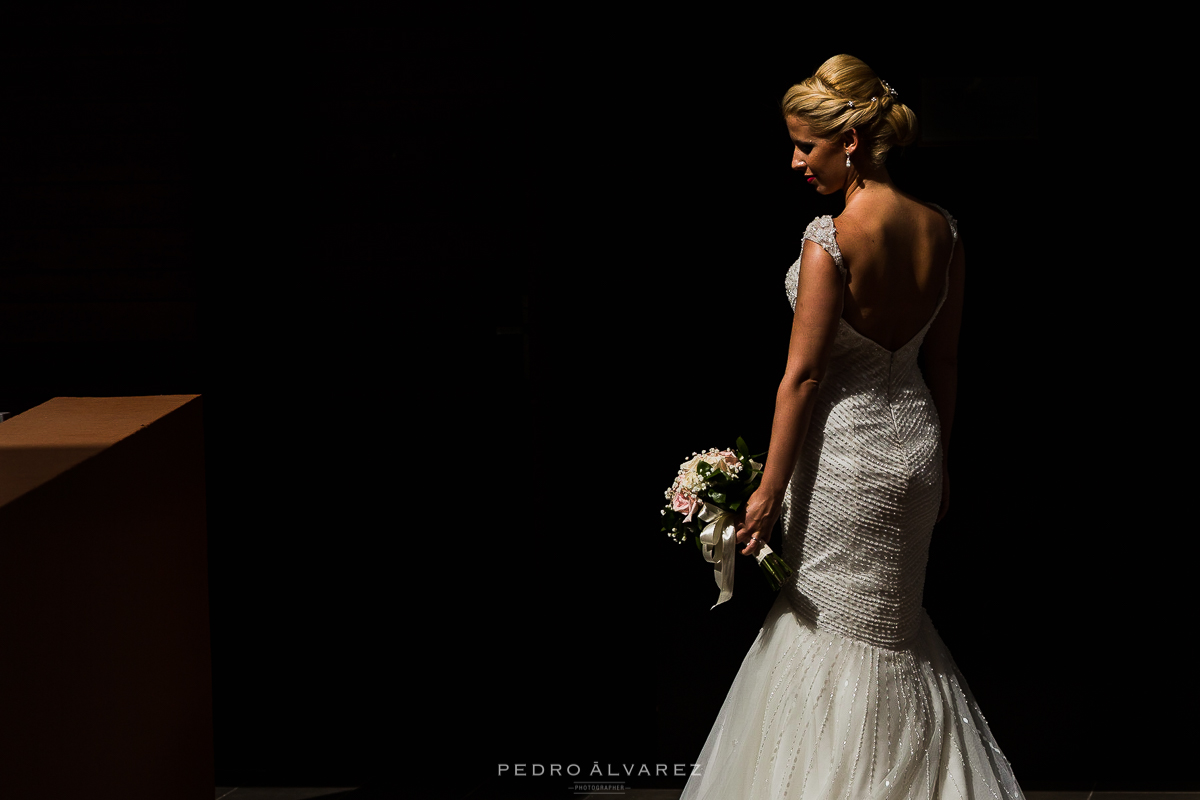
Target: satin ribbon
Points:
(719, 545)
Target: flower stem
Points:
(776, 571)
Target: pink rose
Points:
(685, 502)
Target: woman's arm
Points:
(941, 361)
(819, 299)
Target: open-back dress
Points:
(848, 691)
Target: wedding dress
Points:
(848, 691)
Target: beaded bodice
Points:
(860, 508)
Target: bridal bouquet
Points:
(703, 501)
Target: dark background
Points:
(455, 293)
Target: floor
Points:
(260, 793)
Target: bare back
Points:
(896, 251)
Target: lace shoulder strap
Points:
(951, 221)
(822, 231)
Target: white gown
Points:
(848, 691)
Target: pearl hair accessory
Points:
(887, 87)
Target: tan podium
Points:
(105, 666)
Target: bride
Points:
(848, 691)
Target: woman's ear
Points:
(850, 141)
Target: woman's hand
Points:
(757, 520)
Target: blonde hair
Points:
(845, 93)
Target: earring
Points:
(848, 158)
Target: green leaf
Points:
(741, 446)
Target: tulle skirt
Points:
(812, 714)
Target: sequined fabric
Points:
(860, 508)
(848, 691)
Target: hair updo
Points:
(845, 93)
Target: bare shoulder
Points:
(851, 222)
(856, 228)
(931, 217)
(862, 227)
(888, 219)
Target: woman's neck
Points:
(869, 181)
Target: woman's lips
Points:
(810, 178)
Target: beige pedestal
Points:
(105, 668)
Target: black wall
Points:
(451, 293)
